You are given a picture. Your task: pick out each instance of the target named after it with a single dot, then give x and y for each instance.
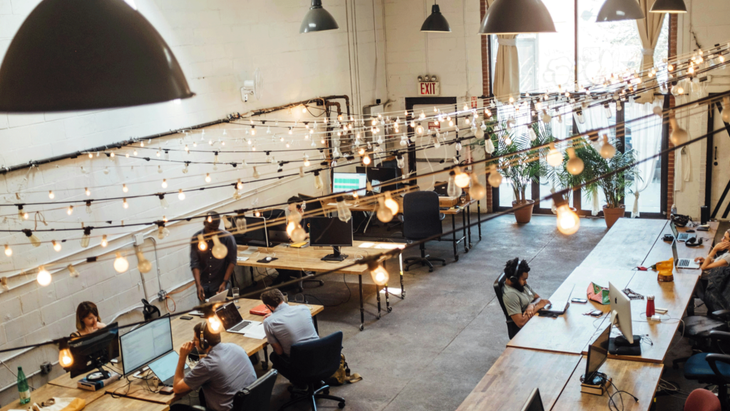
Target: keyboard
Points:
(240, 326)
(683, 263)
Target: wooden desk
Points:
(109, 403)
(640, 379)
(662, 250)
(513, 376)
(464, 209)
(310, 259)
(49, 391)
(626, 244)
(573, 331)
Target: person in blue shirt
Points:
(212, 275)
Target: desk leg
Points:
(362, 306)
(479, 218)
(265, 364)
(453, 228)
(402, 288)
(365, 230)
(377, 295)
(468, 223)
(463, 226)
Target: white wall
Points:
(454, 57)
(218, 44)
(707, 20)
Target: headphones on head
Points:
(201, 337)
(514, 278)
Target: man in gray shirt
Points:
(520, 301)
(223, 370)
(284, 327)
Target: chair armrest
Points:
(720, 335)
(713, 359)
(721, 314)
(442, 216)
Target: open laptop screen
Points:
(229, 315)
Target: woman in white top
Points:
(711, 261)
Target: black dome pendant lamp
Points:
(436, 22)
(87, 54)
(317, 19)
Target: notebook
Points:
(260, 310)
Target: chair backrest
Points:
(512, 328)
(702, 400)
(421, 215)
(316, 360)
(257, 396)
(150, 311)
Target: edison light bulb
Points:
(70, 210)
(104, 241)
(44, 277)
(51, 195)
(318, 181)
(56, 245)
(124, 188)
(143, 265)
(477, 190)
(162, 232)
(202, 245)
(379, 274)
(384, 213)
(180, 195)
(679, 135)
(120, 263)
(574, 164)
(72, 271)
(607, 150)
(554, 158)
(163, 202)
(461, 179)
(8, 250)
(164, 183)
(86, 237)
(207, 178)
(32, 238)
(390, 203)
(290, 227)
(214, 324)
(298, 235)
(256, 173)
(546, 117)
(568, 221)
(495, 178)
(366, 160)
(87, 192)
(64, 357)
(343, 212)
(220, 251)
(451, 189)
(306, 161)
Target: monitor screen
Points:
(145, 344)
(95, 349)
(255, 231)
(378, 175)
(347, 182)
(597, 353)
(325, 231)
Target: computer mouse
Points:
(268, 258)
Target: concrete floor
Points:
(436, 345)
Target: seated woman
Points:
(519, 299)
(87, 319)
(712, 260)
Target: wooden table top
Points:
(459, 208)
(663, 250)
(513, 376)
(640, 379)
(47, 391)
(109, 403)
(310, 258)
(626, 244)
(573, 331)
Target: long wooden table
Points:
(629, 244)
(310, 259)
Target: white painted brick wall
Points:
(219, 44)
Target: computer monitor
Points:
(534, 402)
(276, 230)
(330, 232)
(621, 316)
(347, 182)
(255, 232)
(597, 354)
(378, 175)
(93, 350)
(145, 344)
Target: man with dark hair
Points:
(284, 327)
(223, 370)
(211, 275)
(519, 299)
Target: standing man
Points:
(211, 274)
(224, 370)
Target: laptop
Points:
(218, 298)
(680, 236)
(234, 323)
(685, 263)
(164, 368)
(558, 307)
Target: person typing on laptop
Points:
(285, 326)
(211, 274)
(713, 260)
(521, 302)
(223, 370)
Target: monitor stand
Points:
(620, 346)
(337, 256)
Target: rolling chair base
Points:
(424, 261)
(313, 395)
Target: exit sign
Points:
(428, 88)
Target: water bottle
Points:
(650, 306)
(23, 389)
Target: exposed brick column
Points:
(670, 160)
(485, 85)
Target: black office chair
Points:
(512, 328)
(257, 396)
(421, 219)
(150, 311)
(698, 328)
(311, 363)
(712, 368)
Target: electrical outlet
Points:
(46, 368)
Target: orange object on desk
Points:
(260, 310)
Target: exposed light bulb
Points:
(143, 265)
(378, 273)
(120, 263)
(679, 135)
(104, 241)
(384, 213)
(568, 221)
(65, 359)
(256, 173)
(8, 250)
(44, 277)
(461, 179)
(366, 160)
(214, 324)
(495, 178)
(164, 183)
(70, 210)
(56, 245)
(125, 189)
(34, 240)
(72, 271)
(219, 251)
(390, 203)
(554, 157)
(318, 184)
(51, 195)
(575, 164)
(207, 178)
(86, 238)
(607, 150)
(125, 204)
(87, 192)
(477, 190)
(452, 190)
(306, 161)
(163, 201)
(343, 212)
(202, 245)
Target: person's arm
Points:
(277, 348)
(522, 319)
(514, 310)
(710, 262)
(179, 386)
(271, 338)
(226, 277)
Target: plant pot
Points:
(613, 214)
(524, 214)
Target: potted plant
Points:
(614, 186)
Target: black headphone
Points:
(694, 242)
(201, 337)
(514, 278)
